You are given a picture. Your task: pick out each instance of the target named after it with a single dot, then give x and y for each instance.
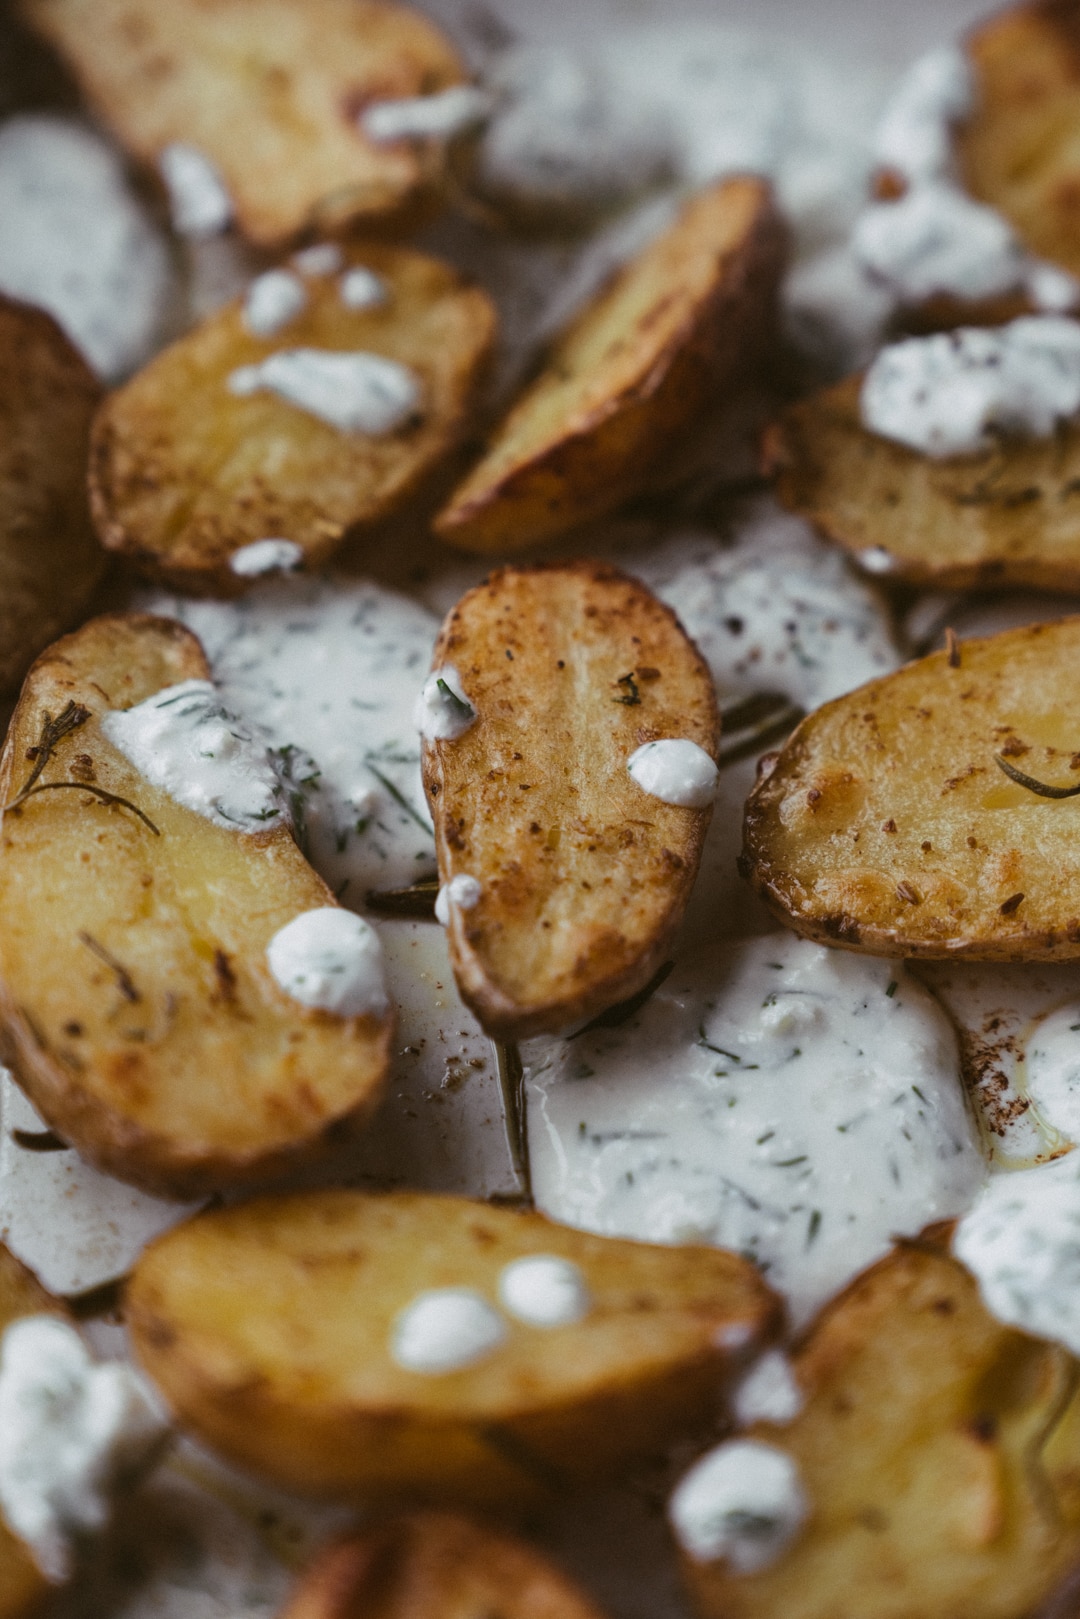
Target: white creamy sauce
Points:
(354, 392)
(198, 196)
(768, 1393)
(934, 96)
(461, 891)
(71, 1433)
(543, 1290)
(266, 556)
(440, 116)
(798, 1105)
(954, 393)
(677, 771)
(324, 258)
(330, 960)
(361, 288)
(1053, 1071)
(742, 1502)
(442, 712)
(445, 1330)
(77, 243)
(273, 300)
(185, 741)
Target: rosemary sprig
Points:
(631, 697)
(614, 1016)
(84, 787)
(418, 901)
(458, 707)
(512, 1085)
(52, 732)
(124, 981)
(1042, 789)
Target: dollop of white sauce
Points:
(273, 300)
(361, 288)
(354, 392)
(798, 1105)
(768, 1392)
(463, 891)
(199, 199)
(322, 258)
(1053, 1071)
(445, 1330)
(743, 1502)
(936, 240)
(185, 741)
(677, 771)
(330, 960)
(543, 1290)
(953, 393)
(266, 556)
(442, 712)
(71, 1433)
(441, 116)
(935, 95)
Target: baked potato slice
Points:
(889, 822)
(629, 376)
(23, 1588)
(583, 876)
(1006, 516)
(271, 91)
(939, 1452)
(287, 1333)
(137, 1007)
(50, 560)
(434, 1565)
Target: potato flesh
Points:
(268, 1329)
(184, 473)
(886, 825)
(196, 1070)
(584, 876)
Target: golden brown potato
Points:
(138, 1011)
(939, 1451)
(271, 91)
(434, 1565)
(629, 376)
(888, 825)
(184, 472)
(584, 876)
(271, 1330)
(1007, 516)
(50, 560)
(22, 1587)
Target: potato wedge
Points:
(50, 560)
(1007, 516)
(184, 472)
(137, 1008)
(887, 824)
(940, 1454)
(23, 1587)
(629, 376)
(270, 1330)
(434, 1565)
(584, 876)
(271, 91)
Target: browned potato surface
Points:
(50, 560)
(271, 91)
(939, 1450)
(1007, 516)
(184, 472)
(434, 1565)
(628, 378)
(268, 1328)
(584, 875)
(22, 1587)
(137, 1008)
(887, 825)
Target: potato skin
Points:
(267, 1328)
(584, 876)
(886, 825)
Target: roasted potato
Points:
(628, 378)
(138, 1011)
(184, 472)
(23, 1587)
(272, 91)
(273, 1331)
(889, 822)
(434, 1565)
(1007, 516)
(50, 560)
(583, 876)
(939, 1452)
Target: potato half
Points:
(138, 1012)
(1006, 516)
(584, 876)
(939, 1451)
(184, 472)
(23, 1588)
(50, 560)
(434, 1565)
(888, 824)
(268, 1328)
(629, 377)
(271, 91)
